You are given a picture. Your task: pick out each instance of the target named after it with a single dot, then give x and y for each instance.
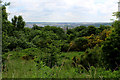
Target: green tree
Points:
(78, 29)
(50, 57)
(111, 48)
(36, 27)
(103, 27)
(91, 30)
(57, 30)
(81, 43)
(116, 26)
(70, 31)
(5, 43)
(20, 23)
(111, 51)
(4, 13)
(14, 21)
(5, 22)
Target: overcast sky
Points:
(63, 10)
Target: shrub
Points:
(79, 44)
(91, 57)
(111, 52)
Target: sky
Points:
(63, 10)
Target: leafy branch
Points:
(117, 14)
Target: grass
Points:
(26, 69)
(19, 68)
(66, 57)
(70, 55)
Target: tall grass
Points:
(18, 68)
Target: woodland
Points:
(51, 52)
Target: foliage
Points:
(80, 28)
(111, 52)
(91, 57)
(49, 55)
(103, 27)
(18, 22)
(117, 14)
(27, 69)
(79, 44)
(35, 27)
(46, 52)
(111, 49)
(116, 26)
(14, 21)
(4, 42)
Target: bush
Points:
(79, 44)
(116, 26)
(45, 38)
(48, 55)
(111, 48)
(111, 52)
(91, 57)
(91, 30)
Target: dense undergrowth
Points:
(27, 68)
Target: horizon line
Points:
(68, 22)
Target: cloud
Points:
(63, 10)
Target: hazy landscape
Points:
(65, 24)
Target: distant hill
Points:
(64, 24)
